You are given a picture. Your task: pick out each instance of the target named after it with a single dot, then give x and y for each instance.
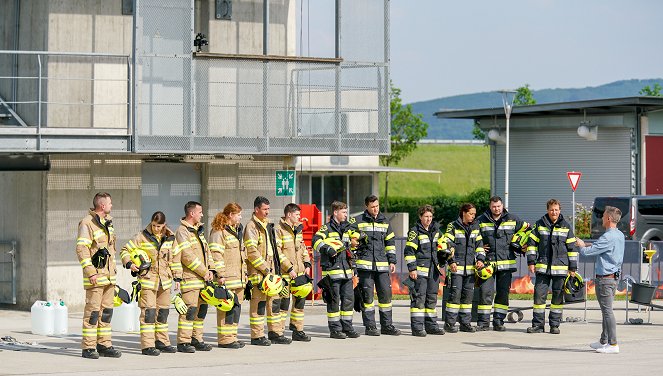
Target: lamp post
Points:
(507, 101)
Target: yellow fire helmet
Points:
(485, 272)
(218, 296)
(359, 236)
(271, 285)
(121, 296)
(301, 286)
(141, 259)
(179, 304)
(573, 285)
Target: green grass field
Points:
(472, 160)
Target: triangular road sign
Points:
(574, 178)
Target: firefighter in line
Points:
(551, 256)
(226, 245)
(497, 227)
(376, 259)
(295, 262)
(336, 266)
(95, 248)
(421, 257)
(464, 241)
(197, 268)
(148, 255)
(260, 242)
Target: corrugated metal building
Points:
(620, 153)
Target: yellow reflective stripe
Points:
(506, 262)
(570, 240)
(194, 264)
(233, 284)
(256, 320)
(216, 247)
(250, 243)
(258, 261)
(573, 254)
(410, 258)
(86, 262)
(181, 246)
(176, 266)
(390, 236)
(87, 332)
(185, 325)
(559, 267)
(390, 248)
(147, 283)
(84, 241)
(534, 237)
(413, 245)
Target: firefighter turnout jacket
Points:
(466, 246)
(96, 241)
(291, 248)
(380, 248)
(160, 249)
(498, 234)
(421, 249)
(226, 246)
(334, 263)
(260, 249)
(551, 247)
(193, 253)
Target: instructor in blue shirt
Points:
(609, 249)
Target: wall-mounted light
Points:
(497, 136)
(588, 132)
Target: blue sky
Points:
(442, 48)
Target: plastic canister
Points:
(125, 318)
(42, 316)
(61, 317)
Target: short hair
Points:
(259, 201)
(190, 206)
(614, 214)
(466, 208)
(158, 218)
(96, 201)
(338, 205)
(425, 209)
(553, 201)
(495, 199)
(369, 199)
(291, 208)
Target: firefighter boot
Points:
(90, 354)
(299, 335)
(200, 346)
(109, 352)
(151, 351)
(278, 339)
(163, 348)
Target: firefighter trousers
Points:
(498, 286)
(154, 309)
(296, 313)
(97, 316)
(423, 302)
(459, 306)
(227, 322)
(190, 325)
(259, 306)
(381, 283)
(542, 283)
(342, 295)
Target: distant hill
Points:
(462, 129)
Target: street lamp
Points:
(507, 102)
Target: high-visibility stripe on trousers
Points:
(542, 283)
(264, 308)
(422, 304)
(380, 282)
(227, 322)
(97, 316)
(190, 324)
(154, 310)
(296, 312)
(459, 306)
(342, 296)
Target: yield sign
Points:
(574, 178)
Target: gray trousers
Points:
(605, 294)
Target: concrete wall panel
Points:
(22, 206)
